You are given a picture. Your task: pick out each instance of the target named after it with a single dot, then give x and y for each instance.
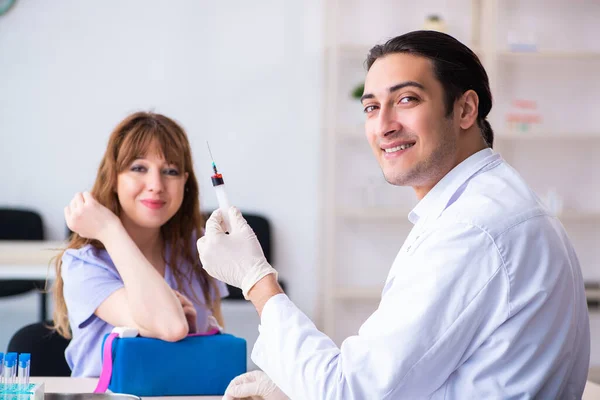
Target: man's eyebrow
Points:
(394, 88)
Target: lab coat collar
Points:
(440, 195)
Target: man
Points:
(485, 298)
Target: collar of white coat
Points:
(440, 196)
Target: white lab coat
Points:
(485, 300)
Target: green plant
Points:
(5, 5)
(358, 91)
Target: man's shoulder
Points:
(496, 202)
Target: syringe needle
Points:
(214, 166)
(209, 152)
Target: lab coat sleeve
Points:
(445, 296)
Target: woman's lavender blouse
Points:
(89, 278)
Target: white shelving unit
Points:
(366, 221)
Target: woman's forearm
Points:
(152, 303)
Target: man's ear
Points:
(469, 106)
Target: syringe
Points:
(219, 185)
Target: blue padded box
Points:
(194, 366)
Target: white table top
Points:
(87, 385)
(29, 251)
(592, 391)
(28, 259)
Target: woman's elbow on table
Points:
(173, 332)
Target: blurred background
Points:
(271, 85)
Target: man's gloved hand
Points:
(255, 385)
(235, 258)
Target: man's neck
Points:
(464, 153)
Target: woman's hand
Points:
(189, 310)
(214, 324)
(88, 218)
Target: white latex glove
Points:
(255, 385)
(235, 258)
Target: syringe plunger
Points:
(223, 206)
(219, 185)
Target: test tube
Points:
(10, 368)
(1, 366)
(24, 364)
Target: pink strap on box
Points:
(106, 373)
(107, 363)
(209, 332)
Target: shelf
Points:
(578, 216)
(362, 50)
(537, 136)
(374, 293)
(353, 135)
(374, 213)
(400, 215)
(592, 293)
(358, 293)
(583, 55)
(356, 50)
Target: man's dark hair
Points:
(456, 67)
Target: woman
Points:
(132, 259)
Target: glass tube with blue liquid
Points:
(1, 368)
(24, 367)
(10, 368)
